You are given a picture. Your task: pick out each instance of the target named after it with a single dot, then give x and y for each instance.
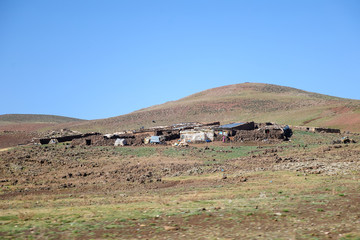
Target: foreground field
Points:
(305, 189)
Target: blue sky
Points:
(97, 59)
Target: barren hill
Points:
(35, 118)
(21, 128)
(32, 122)
(242, 102)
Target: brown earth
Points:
(15, 138)
(26, 127)
(19, 129)
(130, 175)
(240, 102)
(54, 168)
(233, 103)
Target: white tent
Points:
(120, 142)
(197, 135)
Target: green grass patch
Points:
(232, 202)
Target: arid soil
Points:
(12, 135)
(240, 102)
(231, 196)
(26, 127)
(15, 138)
(50, 168)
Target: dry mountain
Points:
(242, 102)
(34, 118)
(32, 122)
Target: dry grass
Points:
(265, 193)
(242, 102)
(270, 204)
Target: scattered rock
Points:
(171, 228)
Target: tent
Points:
(197, 135)
(155, 139)
(120, 142)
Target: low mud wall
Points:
(65, 138)
(327, 130)
(100, 140)
(258, 135)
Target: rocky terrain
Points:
(233, 103)
(53, 167)
(306, 188)
(302, 188)
(20, 129)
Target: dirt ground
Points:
(15, 138)
(12, 135)
(304, 189)
(26, 127)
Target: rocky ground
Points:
(123, 176)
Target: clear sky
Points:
(97, 59)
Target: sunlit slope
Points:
(33, 122)
(34, 118)
(242, 102)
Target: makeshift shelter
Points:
(120, 142)
(155, 139)
(197, 135)
(53, 141)
(230, 129)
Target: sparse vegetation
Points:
(34, 118)
(165, 192)
(242, 102)
(306, 188)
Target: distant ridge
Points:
(257, 102)
(241, 102)
(35, 118)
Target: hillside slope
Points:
(32, 122)
(35, 118)
(242, 102)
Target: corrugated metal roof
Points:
(231, 125)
